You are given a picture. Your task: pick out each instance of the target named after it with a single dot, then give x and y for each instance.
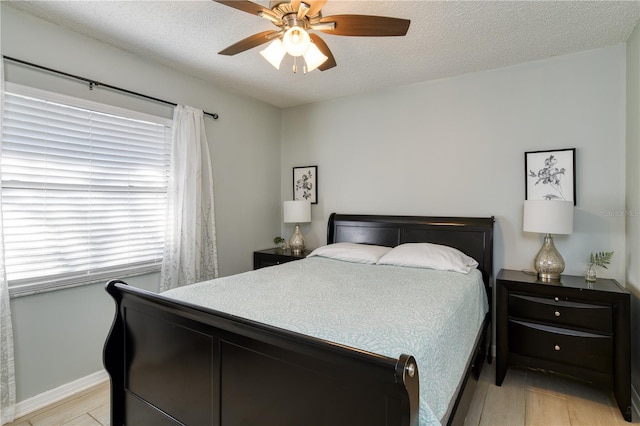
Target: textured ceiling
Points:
(446, 38)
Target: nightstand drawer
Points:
(586, 350)
(265, 263)
(276, 256)
(559, 312)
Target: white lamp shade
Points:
(314, 57)
(548, 216)
(274, 53)
(297, 211)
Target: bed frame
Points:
(173, 363)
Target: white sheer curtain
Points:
(7, 370)
(190, 253)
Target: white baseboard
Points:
(61, 392)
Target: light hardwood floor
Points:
(525, 398)
(533, 398)
(88, 408)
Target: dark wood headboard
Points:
(471, 235)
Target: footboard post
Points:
(407, 374)
(113, 357)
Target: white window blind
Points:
(84, 192)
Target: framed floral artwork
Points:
(305, 183)
(550, 175)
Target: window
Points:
(84, 190)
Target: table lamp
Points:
(548, 217)
(297, 212)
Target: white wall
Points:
(59, 335)
(633, 202)
(456, 147)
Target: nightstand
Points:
(571, 327)
(276, 256)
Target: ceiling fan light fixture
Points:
(294, 18)
(274, 53)
(313, 57)
(296, 41)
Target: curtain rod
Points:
(93, 83)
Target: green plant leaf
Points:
(602, 258)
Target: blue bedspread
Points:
(388, 310)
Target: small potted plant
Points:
(281, 242)
(602, 259)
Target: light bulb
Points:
(296, 41)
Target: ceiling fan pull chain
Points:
(295, 64)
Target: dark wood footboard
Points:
(173, 363)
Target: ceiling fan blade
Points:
(314, 6)
(248, 43)
(366, 26)
(245, 6)
(331, 61)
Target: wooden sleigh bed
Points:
(174, 363)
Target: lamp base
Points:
(548, 262)
(548, 277)
(296, 242)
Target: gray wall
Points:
(59, 335)
(456, 147)
(633, 201)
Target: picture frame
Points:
(305, 183)
(550, 175)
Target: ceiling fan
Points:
(295, 18)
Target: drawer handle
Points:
(556, 347)
(557, 313)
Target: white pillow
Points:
(431, 256)
(351, 252)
